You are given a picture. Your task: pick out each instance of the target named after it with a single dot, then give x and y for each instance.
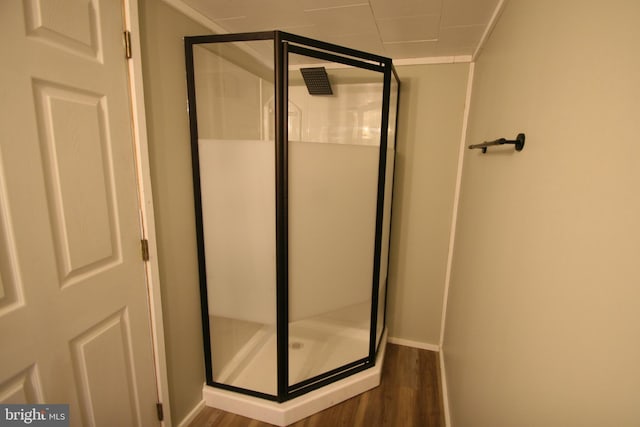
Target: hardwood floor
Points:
(409, 395)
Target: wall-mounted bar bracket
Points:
(518, 142)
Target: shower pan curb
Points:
(283, 414)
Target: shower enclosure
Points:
(293, 157)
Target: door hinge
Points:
(144, 243)
(127, 44)
(160, 412)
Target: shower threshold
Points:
(283, 414)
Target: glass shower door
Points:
(234, 172)
(334, 123)
(292, 153)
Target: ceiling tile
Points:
(395, 28)
(411, 50)
(466, 12)
(366, 42)
(311, 31)
(327, 4)
(461, 36)
(383, 9)
(344, 21)
(271, 15)
(220, 9)
(422, 27)
(454, 50)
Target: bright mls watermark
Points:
(34, 415)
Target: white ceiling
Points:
(395, 28)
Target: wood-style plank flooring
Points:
(409, 395)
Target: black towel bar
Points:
(518, 142)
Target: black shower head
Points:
(316, 80)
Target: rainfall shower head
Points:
(316, 80)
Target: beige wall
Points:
(430, 117)
(162, 29)
(543, 323)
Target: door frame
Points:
(147, 219)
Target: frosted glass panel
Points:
(333, 176)
(237, 187)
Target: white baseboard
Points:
(445, 393)
(192, 414)
(414, 344)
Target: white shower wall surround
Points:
(240, 254)
(351, 116)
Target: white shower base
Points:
(303, 366)
(316, 345)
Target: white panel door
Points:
(74, 316)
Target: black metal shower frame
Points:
(285, 43)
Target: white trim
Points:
(456, 201)
(192, 13)
(445, 393)
(132, 24)
(452, 239)
(433, 60)
(192, 414)
(203, 20)
(487, 31)
(414, 344)
(316, 9)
